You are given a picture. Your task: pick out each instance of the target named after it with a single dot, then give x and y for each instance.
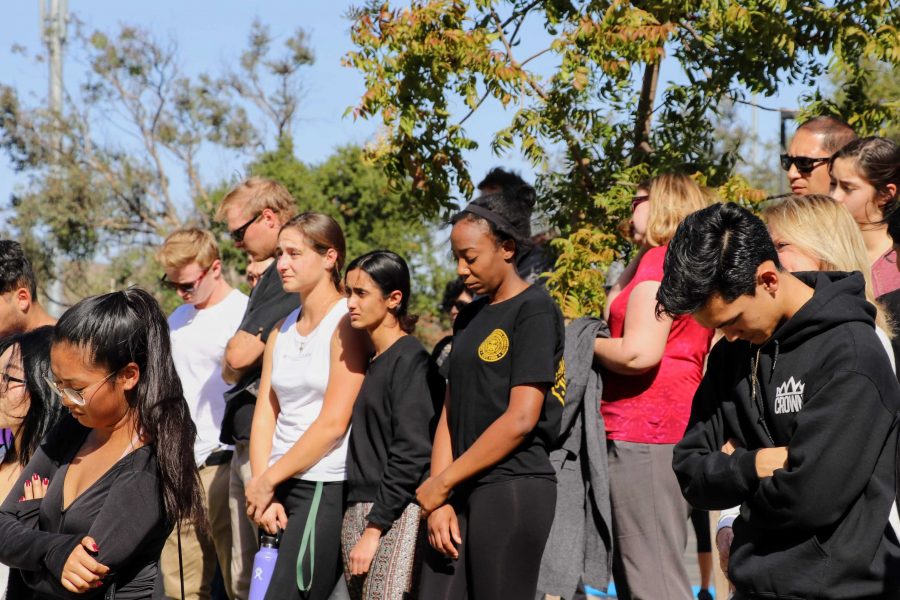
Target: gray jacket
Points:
(580, 544)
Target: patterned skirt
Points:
(394, 572)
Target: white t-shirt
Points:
(199, 338)
(300, 369)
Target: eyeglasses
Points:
(638, 200)
(185, 288)
(6, 379)
(804, 164)
(75, 396)
(238, 234)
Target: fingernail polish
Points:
(36, 477)
(22, 499)
(28, 483)
(95, 547)
(46, 481)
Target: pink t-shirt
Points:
(885, 276)
(653, 407)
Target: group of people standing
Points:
(310, 412)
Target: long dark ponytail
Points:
(128, 326)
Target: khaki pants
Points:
(199, 552)
(244, 542)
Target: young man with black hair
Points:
(796, 418)
(20, 310)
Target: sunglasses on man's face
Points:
(185, 288)
(238, 234)
(805, 164)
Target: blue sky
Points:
(210, 35)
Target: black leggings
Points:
(296, 495)
(504, 528)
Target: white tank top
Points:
(300, 368)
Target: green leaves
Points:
(597, 117)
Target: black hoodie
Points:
(824, 389)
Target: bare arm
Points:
(643, 340)
(441, 450)
(265, 413)
(243, 352)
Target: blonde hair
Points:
(673, 196)
(824, 229)
(322, 233)
(188, 245)
(259, 194)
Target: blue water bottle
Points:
(263, 566)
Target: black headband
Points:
(488, 215)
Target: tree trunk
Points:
(644, 115)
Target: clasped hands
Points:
(261, 506)
(82, 572)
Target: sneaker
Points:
(704, 594)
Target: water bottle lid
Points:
(268, 541)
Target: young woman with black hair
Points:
(390, 439)
(313, 367)
(501, 414)
(113, 477)
(27, 408)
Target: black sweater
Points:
(123, 511)
(825, 389)
(393, 423)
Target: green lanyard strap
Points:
(308, 541)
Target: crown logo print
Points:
(789, 396)
(790, 387)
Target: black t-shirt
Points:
(268, 305)
(441, 355)
(394, 419)
(495, 348)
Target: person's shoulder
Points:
(651, 265)
(536, 300)
(61, 437)
(181, 315)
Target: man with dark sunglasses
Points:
(254, 212)
(200, 328)
(810, 151)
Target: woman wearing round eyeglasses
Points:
(112, 478)
(651, 368)
(27, 408)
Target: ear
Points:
(23, 299)
(331, 257)
(216, 268)
(394, 299)
(129, 375)
(508, 250)
(271, 219)
(887, 194)
(768, 277)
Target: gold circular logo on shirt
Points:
(494, 347)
